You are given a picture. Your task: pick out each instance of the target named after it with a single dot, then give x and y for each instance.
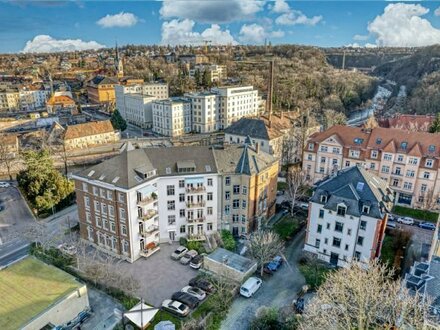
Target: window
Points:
(365, 209)
(98, 222)
(112, 227)
(400, 158)
(243, 219)
(182, 229)
(335, 150)
(311, 146)
(360, 241)
(429, 163)
(309, 157)
(328, 226)
(85, 187)
(339, 226)
(426, 175)
(102, 193)
(319, 229)
(181, 197)
(321, 170)
(349, 232)
(209, 210)
(387, 157)
(347, 163)
(209, 196)
(181, 183)
(227, 209)
(171, 205)
(87, 202)
(355, 153)
(243, 204)
(357, 255)
(122, 214)
(104, 209)
(171, 220)
(96, 205)
(235, 203)
(90, 233)
(321, 214)
(325, 240)
(227, 195)
(324, 148)
(236, 189)
(341, 210)
(95, 191)
(105, 224)
(404, 145)
(385, 169)
(109, 194)
(410, 173)
(413, 161)
(111, 211)
(182, 213)
(374, 154)
(323, 199)
(88, 217)
(170, 190)
(323, 159)
(336, 242)
(121, 198)
(317, 243)
(363, 225)
(209, 182)
(372, 166)
(423, 188)
(244, 190)
(407, 186)
(235, 218)
(228, 180)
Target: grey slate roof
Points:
(233, 260)
(255, 128)
(131, 163)
(355, 187)
(242, 159)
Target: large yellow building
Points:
(101, 90)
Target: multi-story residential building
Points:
(347, 217)
(128, 204)
(89, 134)
(204, 111)
(134, 102)
(101, 89)
(33, 97)
(9, 99)
(172, 117)
(408, 161)
(247, 188)
(215, 72)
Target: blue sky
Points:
(59, 25)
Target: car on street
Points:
(275, 263)
(427, 225)
(179, 253)
(251, 286)
(175, 307)
(4, 184)
(185, 260)
(196, 292)
(203, 284)
(196, 262)
(391, 224)
(406, 220)
(392, 217)
(186, 298)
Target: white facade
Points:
(172, 117)
(204, 112)
(338, 239)
(33, 99)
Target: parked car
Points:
(391, 224)
(4, 184)
(179, 253)
(392, 217)
(185, 260)
(186, 298)
(275, 263)
(175, 307)
(67, 249)
(196, 262)
(196, 292)
(406, 221)
(202, 284)
(427, 225)
(286, 205)
(251, 286)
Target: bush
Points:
(183, 241)
(416, 213)
(196, 245)
(52, 256)
(228, 240)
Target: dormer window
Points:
(378, 141)
(341, 210)
(429, 163)
(365, 209)
(374, 154)
(311, 146)
(323, 199)
(431, 148)
(404, 145)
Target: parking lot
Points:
(159, 275)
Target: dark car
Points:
(427, 225)
(185, 298)
(196, 262)
(275, 263)
(202, 284)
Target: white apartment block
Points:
(408, 161)
(216, 72)
(131, 203)
(172, 117)
(134, 102)
(204, 108)
(31, 99)
(347, 217)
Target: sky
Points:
(43, 26)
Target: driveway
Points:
(159, 275)
(277, 291)
(103, 316)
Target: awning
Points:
(198, 179)
(141, 315)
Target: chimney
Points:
(257, 148)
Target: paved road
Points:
(276, 291)
(12, 251)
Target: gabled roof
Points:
(255, 128)
(103, 80)
(88, 129)
(60, 99)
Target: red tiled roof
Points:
(88, 129)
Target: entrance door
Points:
(172, 235)
(235, 231)
(334, 257)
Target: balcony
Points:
(191, 205)
(153, 229)
(195, 190)
(396, 174)
(196, 237)
(150, 249)
(196, 219)
(148, 215)
(147, 200)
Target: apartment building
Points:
(63, 103)
(9, 99)
(408, 161)
(247, 188)
(172, 117)
(204, 116)
(129, 204)
(216, 73)
(347, 217)
(134, 102)
(89, 134)
(32, 98)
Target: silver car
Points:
(195, 292)
(188, 257)
(179, 253)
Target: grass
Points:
(286, 227)
(388, 254)
(314, 274)
(165, 316)
(29, 287)
(416, 213)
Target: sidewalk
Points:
(63, 213)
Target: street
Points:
(12, 251)
(277, 290)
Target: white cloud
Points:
(211, 11)
(359, 37)
(437, 12)
(256, 34)
(180, 32)
(402, 25)
(46, 44)
(280, 6)
(296, 17)
(357, 45)
(118, 20)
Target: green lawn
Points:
(165, 316)
(416, 213)
(314, 274)
(27, 288)
(286, 227)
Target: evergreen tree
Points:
(117, 121)
(435, 126)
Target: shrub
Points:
(183, 241)
(195, 245)
(228, 240)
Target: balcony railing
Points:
(148, 252)
(196, 237)
(148, 215)
(396, 174)
(195, 204)
(147, 200)
(194, 190)
(196, 219)
(152, 229)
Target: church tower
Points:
(119, 68)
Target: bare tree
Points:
(296, 186)
(332, 118)
(303, 126)
(289, 149)
(7, 159)
(364, 297)
(429, 200)
(263, 246)
(371, 123)
(38, 233)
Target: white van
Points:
(251, 286)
